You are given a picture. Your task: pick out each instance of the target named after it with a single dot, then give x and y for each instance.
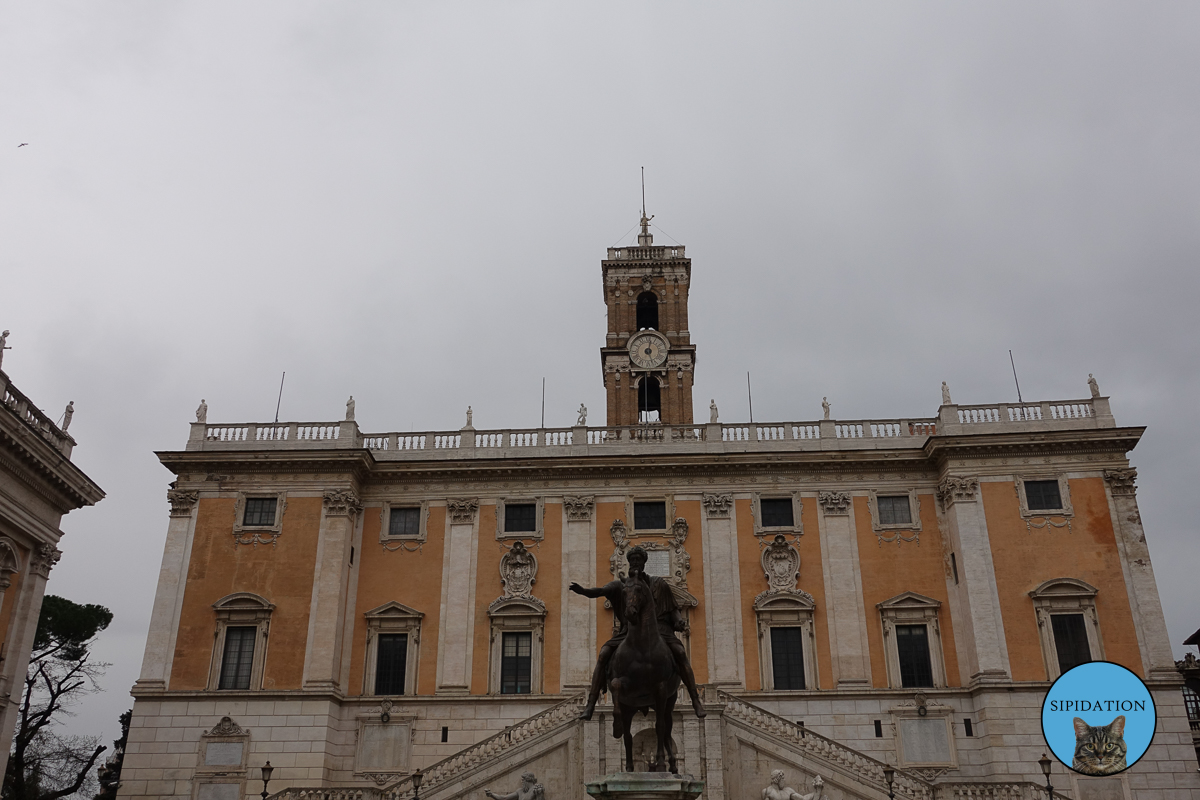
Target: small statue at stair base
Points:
(529, 789)
(777, 791)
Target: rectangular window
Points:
(787, 657)
(1042, 496)
(238, 658)
(954, 567)
(260, 511)
(404, 522)
(894, 510)
(1070, 640)
(516, 663)
(912, 647)
(967, 728)
(650, 516)
(878, 729)
(519, 518)
(1191, 702)
(391, 660)
(777, 513)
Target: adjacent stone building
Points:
(38, 485)
(353, 606)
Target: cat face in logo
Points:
(1099, 750)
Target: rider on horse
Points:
(670, 619)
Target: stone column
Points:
(168, 598)
(843, 592)
(1151, 626)
(19, 641)
(457, 627)
(722, 592)
(327, 612)
(578, 619)
(982, 626)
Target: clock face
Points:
(648, 350)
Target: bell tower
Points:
(648, 357)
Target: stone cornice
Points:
(30, 459)
(1041, 443)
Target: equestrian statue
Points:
(644, 663)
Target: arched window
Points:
(649, 400)
(647, 311)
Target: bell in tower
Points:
(648, 358)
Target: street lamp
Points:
(889, 775)
(416, 779)
(1045, 765)
(267, 769)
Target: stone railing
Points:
(316, 793)
(861, 768)
(719, 437)
(1007, 790)
(33, 417)
(552, 719)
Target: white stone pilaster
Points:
(722, 592)
(327, 611)
(456, 632)
(1149, 622)
(848, 646)
(578, 618)
(168, 597)
(986, 648)
(19, 640)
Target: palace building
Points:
(355, 607)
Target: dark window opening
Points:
(260, 511)
(1043, 496)
(352, 556)
(878, 729)
(894, 510)
(1191, 702)
(649, 400)
(650, 516)
(912, 647)
(776, 513)
(445, 733)
(404, 522)
(516, 663)
(787, 657)
(647, 310)
(391, 661)
(520, 517)
(967, 729)
(954, 568)
(238, 658)
(1070, 640)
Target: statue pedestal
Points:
(645, 786)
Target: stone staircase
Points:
(848, 773)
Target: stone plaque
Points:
(1100, 788)
(925, 740)
(219, 791)
(658, 563)
(383, 748)
(223, 754)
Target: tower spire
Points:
(645, 239)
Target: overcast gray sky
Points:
(409, 202)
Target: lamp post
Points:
(267, 769)
(889, 775)
(1045, 765)
(416, 779)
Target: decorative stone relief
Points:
(342, 503)
(834, 503)
(781, 565)
(579, 509)
(518, 571)
(9, 562)
(182, 502)
(44, 557)
(1121, 481)
(957, 490)
(679, 532)
(619, 534)
(462, 510)
(718, 505)
(227, 727)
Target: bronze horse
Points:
(642, 674)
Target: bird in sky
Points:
(23, 144)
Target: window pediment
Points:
(788, 600)
(517, 607)
(392, 610)
(1063, 587)
(908, 600)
